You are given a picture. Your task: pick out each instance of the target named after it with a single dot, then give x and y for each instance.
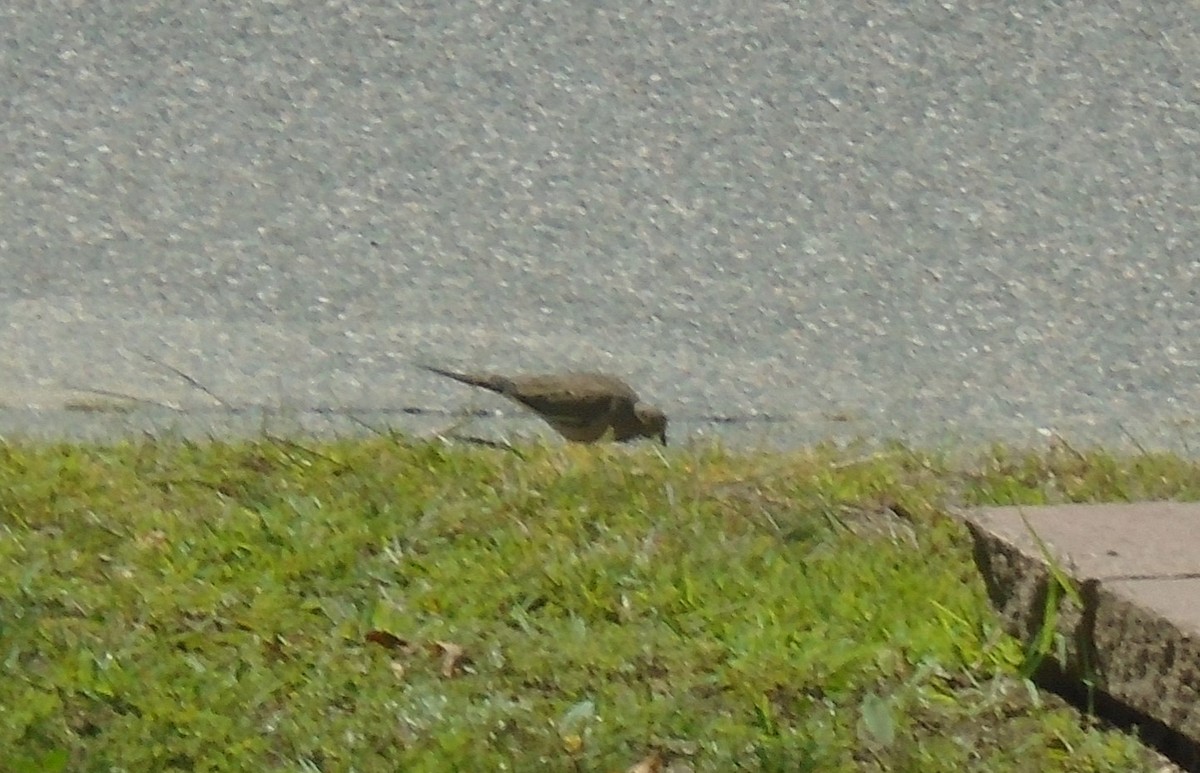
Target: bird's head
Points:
(653, 421)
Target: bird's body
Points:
(582, 407)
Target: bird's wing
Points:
(574, 400)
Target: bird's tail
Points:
(495, 383)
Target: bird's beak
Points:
(663, 437)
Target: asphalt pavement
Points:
(947, 223)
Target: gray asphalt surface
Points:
(941, 222)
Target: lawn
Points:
(386, 604)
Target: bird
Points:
(582, 407)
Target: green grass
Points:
(285, 606)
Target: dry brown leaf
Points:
(650, 764)
(386, 639)
(454, 657)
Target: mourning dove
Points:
(583, 407)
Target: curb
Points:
(1133, 622)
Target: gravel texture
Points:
(944, 222)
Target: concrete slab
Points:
(1176, 599)
(1137, 569)
(1141, 539)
